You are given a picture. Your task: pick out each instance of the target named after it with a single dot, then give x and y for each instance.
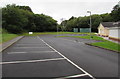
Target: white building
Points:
(110, 29)
(114, 32)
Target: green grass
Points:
(7, 37)
(54, 33)
(85, 37)
(0, 35)
(38, 33)
(105, 44)
(108, 45)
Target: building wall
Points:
(103, 31)
(114, 33)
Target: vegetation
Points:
(104, 44)
(54, 33)
(86, 37)
(83, 22)
(116, 13)
(108, 45)
(5, 36)
(20, 19)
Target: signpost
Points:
(90, 24)
(30, 32)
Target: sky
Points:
(65, 8)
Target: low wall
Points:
(115, 39)
(103, 35)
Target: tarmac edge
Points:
(9, 43)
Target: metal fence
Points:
(75, 29)
(84, 29)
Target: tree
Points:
(45, 23)
(106, 17)
(13, 18)
(19, 19)
(96, 19)
(116, 13)
(25, 8)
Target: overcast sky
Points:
(65, 8)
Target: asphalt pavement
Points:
(51, 56)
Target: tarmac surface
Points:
(51, 56)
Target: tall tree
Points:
(19, 19)
(25, 8)
(13, 19)
(116, 13)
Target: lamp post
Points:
(63, 27)
(90, 23)
(57, 30)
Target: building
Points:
(109, 29)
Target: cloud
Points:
(65, 8)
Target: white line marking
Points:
(30, 61)
(42, 51)
(29, 44)
(67, 59)
(30, 52)
(72, 41)
(15, 52)
(74, 76)
(28, 47)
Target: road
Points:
(50, 56)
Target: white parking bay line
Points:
(74, 76)
(28, 47)
(73, 41)
(42, 51)
(68, 59)
(30, 61)
(29, 44)
(15, 52)
(30, 52)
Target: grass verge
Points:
(54, 33)
(7, 37)
(108, 45)
(86, 37)
(104, 44)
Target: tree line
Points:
(19, 19)
(83, 22)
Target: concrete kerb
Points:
(102, 47)
(8, 44)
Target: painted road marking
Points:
(74, 76)
(28, 47)
(29, 44)
(15, 52)
(73, 41)
(30, 52)
(30, 61)
(68, 59)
